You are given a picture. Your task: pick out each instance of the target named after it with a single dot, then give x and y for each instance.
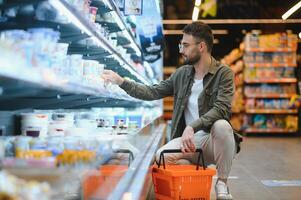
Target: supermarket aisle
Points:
(265, 158)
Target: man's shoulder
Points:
(224, 67)
(184, 69)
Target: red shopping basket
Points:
(182, 182)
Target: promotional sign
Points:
(150, 30)
(133, 7)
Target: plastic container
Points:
(182, 181)
(21, 144)
(55, 145)
(86, 123)
(136, 119)
(63, 116)
(34, 124)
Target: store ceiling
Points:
(230, 9)
(236, 9)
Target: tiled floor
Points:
(266, 158)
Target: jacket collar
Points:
(212, 68)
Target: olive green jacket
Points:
(214, 101)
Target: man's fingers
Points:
(186, 147)
(183, 147)
(191, 145)
(106, 71)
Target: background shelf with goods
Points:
(235, 62)
(59, 121)
(270, 83)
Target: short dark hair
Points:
(201, 32)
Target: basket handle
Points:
(131, 155)
(200, 151)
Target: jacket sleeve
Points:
(222, 106)
(149, 92)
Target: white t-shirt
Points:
(192, 110)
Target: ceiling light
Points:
(195, 14)
(108, 3)
(291, 11)
(300, 35)
(198, 3)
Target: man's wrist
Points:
(120, 81)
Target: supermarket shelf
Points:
(17, 3)
(168, 107)
(270, 50)
(271, 64)
(233, 60)
(91, 30)
(168, 99)
(272, 111)
(167, 115)
(118, 17)
(272, 96)
(169, 70)
(47, 79)
(237, 111)
(275, 80)
(273, 130)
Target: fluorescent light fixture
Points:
(62, 8)
(197, 3)
(195, 14)
(108, 4)
(300, 35)
(291, 11)
(118, 20)
(100, 43)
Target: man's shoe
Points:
(222, 191)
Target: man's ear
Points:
(202, 46)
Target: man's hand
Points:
(110, 76)
(187, 144)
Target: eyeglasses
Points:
(185, 45)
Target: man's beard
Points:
(192, 60)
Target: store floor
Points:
(266, 158)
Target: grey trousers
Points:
(218, 148)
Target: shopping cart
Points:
(182, 182)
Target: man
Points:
(203, 91)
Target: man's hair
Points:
(201, 32)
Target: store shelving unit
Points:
(270, 82)
(234, 60)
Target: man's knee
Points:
(222, 128)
